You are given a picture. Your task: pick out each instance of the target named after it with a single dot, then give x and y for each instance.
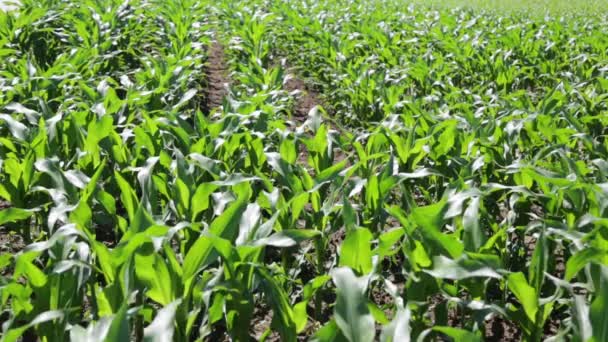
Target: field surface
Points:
(280, 170)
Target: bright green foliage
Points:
(453, 174)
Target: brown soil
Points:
(311, 328)
(306, 100)
(217, 77)
(385, 302)
(4, 204)
(10, 242)
(499, 329)
(218, 334)
(335, 240)
(262, 318)
(393, 265)
(106, 235)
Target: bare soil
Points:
(10, 242)
(306, 100)
(217, 78)
(498, 330)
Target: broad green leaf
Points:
(419, 255)
(162, 327)
(580, 313)
(447, 243)
(283, 318)
(351, 312)
(127, 195)
(387, 242)
(288, 151)
(597, 311)
(474, 237)
(398, 330)
(458, 335)
(430, 216)
(287, 237)
(200, 199)
(153, 272)
(355, 251)
(14, 214)
(24, 266)
(462, 268)
(349, 215)
(300, 316)
(141, 221)
(372, 192)
(329, 333)
(377, 313)
(224, 226)
(582, 258)
(17, 129)
(249, 220)
(331, 172)
(13, 335)
(525, 293)
(538, 264)
(119, 329)
(95, 331)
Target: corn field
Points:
(312, 170)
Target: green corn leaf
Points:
(141, 221)
(288, 237)
(351, 311)
(331, 172)
(462, 268)
(349, 215)
(387, 242)
(119, 329)
(95, 331)
(248, 224)
(377, 313)
(582, 258)
(372, 192)
(538, 264)
(355, 251)
(14, 214)
(288, 151)
(430, 216)
(458, 335)
(162, 327)
(182, 195)
(17, 129)
(225, 226)
(582, 326)
(399, 328)
(597, 311)
(13, 335)
(153, 272)
(127, 195)
(24, 266)
(283, 318)
(200, 199)
(474, 237)
(525, 293)
(329, 333)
